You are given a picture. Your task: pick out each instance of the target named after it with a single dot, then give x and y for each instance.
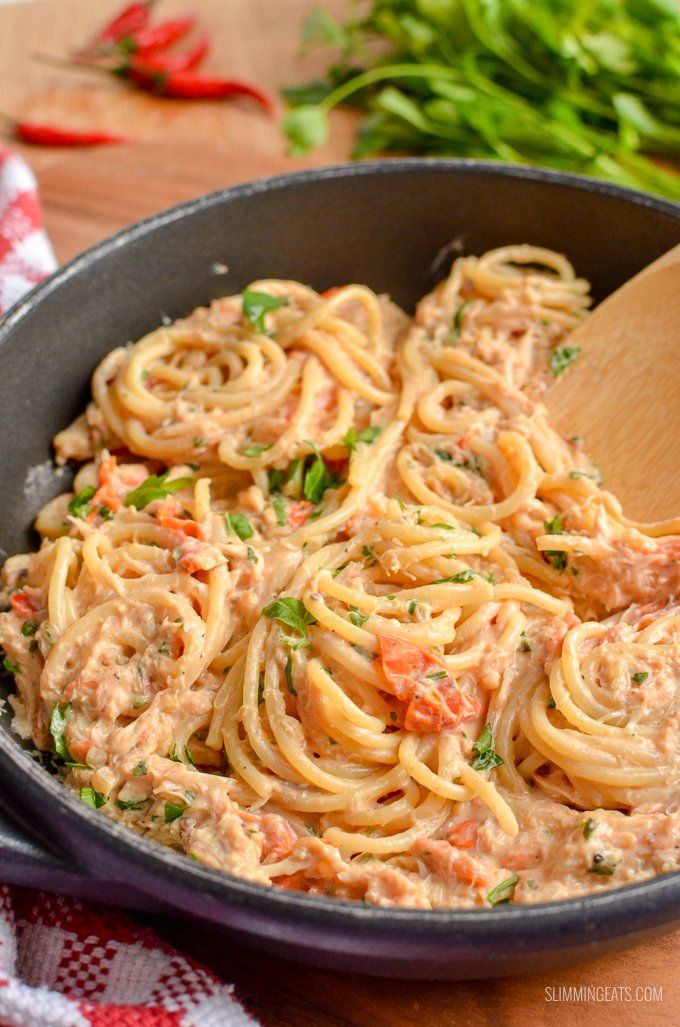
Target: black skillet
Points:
(394, 225)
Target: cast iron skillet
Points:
(394, 225)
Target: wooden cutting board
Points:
(182, 150)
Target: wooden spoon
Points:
(623, 393)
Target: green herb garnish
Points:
(561, 358)
(256, 305)
(292, 612)
(486, 758)
(240, 525)
(357, 618)
(640, 676)
(589, 826)
(92, 798)
(80, 504)
(367, 435)
(494, 898)
(255, 450)
(156, 486)
(280, 510)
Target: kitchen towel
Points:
(66, 963)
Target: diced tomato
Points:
(333, 291)
(279, 837)
(23, 604)
(298, 512)
(432, 704)
(106, 494)
(405, 665)
(167, 518)
(464, 834)
(296, 882)
(469, 870)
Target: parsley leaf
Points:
(494, 896)
(11, 666)
(319, 478)
(457, 326)
(280, 509)
(357, 618)
(156, 486)
(292, 612)
(640, 676)
(555, 526)
(557, 558)
(289, 674)
(130, 803)
(561, 358)
(80, 504)
(589, 827)
(255, 450)
(486, 758)
(171, 811)
(240, 525)
(367, 435)
(92, 798)
(257, 304)
(57, 728)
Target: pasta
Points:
(333, 608)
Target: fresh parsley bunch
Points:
(581, 85)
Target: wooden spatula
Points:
(623, 393)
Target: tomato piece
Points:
(23, 604)
(464, 834)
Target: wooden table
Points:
(180, 150)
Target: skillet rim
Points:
(654, 901)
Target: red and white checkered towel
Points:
(25, 252)
(65, 963)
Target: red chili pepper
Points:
(156, 37)
(50, 135)
(131, 19)
(171, 63)
(187, 85)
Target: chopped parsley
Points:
(11, 666)
(369, 553)
(357, 618)
(525, 644)
(292, 612)
(595, 475)
(443, 455)
(461, 578)
(80, 504)
(260, 691)
(486, 758)
(240, 525)
(367, 435)
(105, 513)
(288, 671)
(600, 866)
(251, 556)
(496, 896)
(558, 559)
(255, 450)
(171, 811)
(140, 769)
(280, 510)
(437, 675)
(92, 798)
(457, 325)
(257, 304)
(130, 803)
(411, 606)
(589, 826)
(199, 441)
(164, 648)
(319, 478)
(561, 358)
(156, 486)
(554, 526)
(551, 704)
(640, 676)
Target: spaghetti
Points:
(332, 607)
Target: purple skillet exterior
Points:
(83, 852)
